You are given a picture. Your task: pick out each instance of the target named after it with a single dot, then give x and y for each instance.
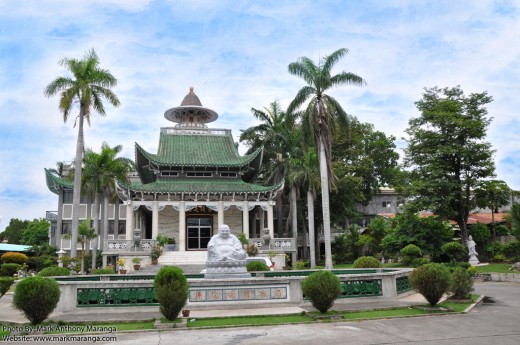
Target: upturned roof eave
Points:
(55, 183)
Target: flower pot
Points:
(155, 261)
(136, 267)
(185, 312)
(170, 247)
(122, 271)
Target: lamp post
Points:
(60, 255)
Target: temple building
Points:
(195, 182)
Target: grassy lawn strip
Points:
(250, 320)
(123, 326)
(385, 313)
(495, 268)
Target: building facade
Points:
(195, 182)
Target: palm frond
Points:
(330, 60)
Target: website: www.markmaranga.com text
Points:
(58, 338)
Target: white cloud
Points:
(236, 57)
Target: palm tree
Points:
(321, 116)
(88, 85)
(101, 172)
(304, 171)
(85, 235)
(273, 134)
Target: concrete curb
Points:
(477, 302)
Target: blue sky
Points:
(235, 54)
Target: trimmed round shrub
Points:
(14, 258)
(5, 284)
(461, 283)
(417, 262)
(512, 250)
(54, 272)
(172, 291)
(502, 230)
(38, 263)
(36, 297)
(409, 253)
(480, 233)
(367, 262)
(103, 271)
(9, 270)
(455, 251)
(431, 281)
(321, 288)
(253, 266)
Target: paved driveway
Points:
(496, 323)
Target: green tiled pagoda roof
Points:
(196, 150)
(201, 185)
(55, 182)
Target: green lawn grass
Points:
(126, 326)
(250, 320)
(495, 268)
(370, 314)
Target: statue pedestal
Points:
(226, 269)
(473, 260)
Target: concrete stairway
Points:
(189, 261)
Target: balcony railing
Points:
(276, 244)
(129, 245)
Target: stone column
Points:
(245, 218)
(155, 219)
(220, 213)
(270, 219)
(129, 220)
(182, 226)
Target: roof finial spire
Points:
(191, 89)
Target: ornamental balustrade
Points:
(276, 244)
(272, 287)
(129, 245)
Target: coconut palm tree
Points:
(322, 115)
(273, 134)
(87, 87)
(304, 171)
(101, 172)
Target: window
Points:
(66, 227)
(228, 174)
(387, 204)
(121, 228)
(67, 196)
(199, 174)
(170, 173)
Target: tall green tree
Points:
(85, 235)
(364, 160)
(36, 233)
(100, 173)
(447, 153)
(275, 134)
(87, 86)
(322, 115)
(492, 194)
(13, 232)
(305, 172)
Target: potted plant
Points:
(170, 246)
(137, 263)
(155, 253)
(121, 266)
(161, 240)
